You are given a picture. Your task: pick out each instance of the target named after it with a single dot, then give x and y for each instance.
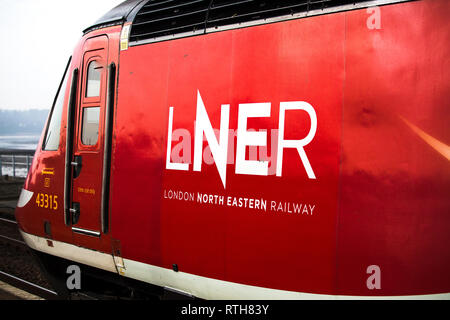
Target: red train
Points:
(250, 150)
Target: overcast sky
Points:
(37, 37)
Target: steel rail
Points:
(28, 286)
(16, 281)
(12, 241)
(8, 221)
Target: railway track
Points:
(13, 224)
(19, 269)
(16, 252)
(28, 286)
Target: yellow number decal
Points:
(47, 201)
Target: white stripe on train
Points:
(201, 287)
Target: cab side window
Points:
(51, 140)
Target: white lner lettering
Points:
(248, 138)
(169, 164)
(245, 137)
(298, 144)
(218, 149)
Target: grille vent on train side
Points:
(160, 18)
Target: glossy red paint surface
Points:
(257, 247)
(395, 205)
(380, 196)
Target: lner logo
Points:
(245, 138)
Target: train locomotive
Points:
(249, 150)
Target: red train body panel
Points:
(280, 160)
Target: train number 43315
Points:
(47, 201)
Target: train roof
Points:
(159, 20)
(116, 15)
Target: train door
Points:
(88, 144)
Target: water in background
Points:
(25, 142)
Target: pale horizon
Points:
(38, 38)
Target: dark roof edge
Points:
(115, 16)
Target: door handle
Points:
(76, 164)
(75, 212)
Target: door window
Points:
(89, 129)
(93, 79)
